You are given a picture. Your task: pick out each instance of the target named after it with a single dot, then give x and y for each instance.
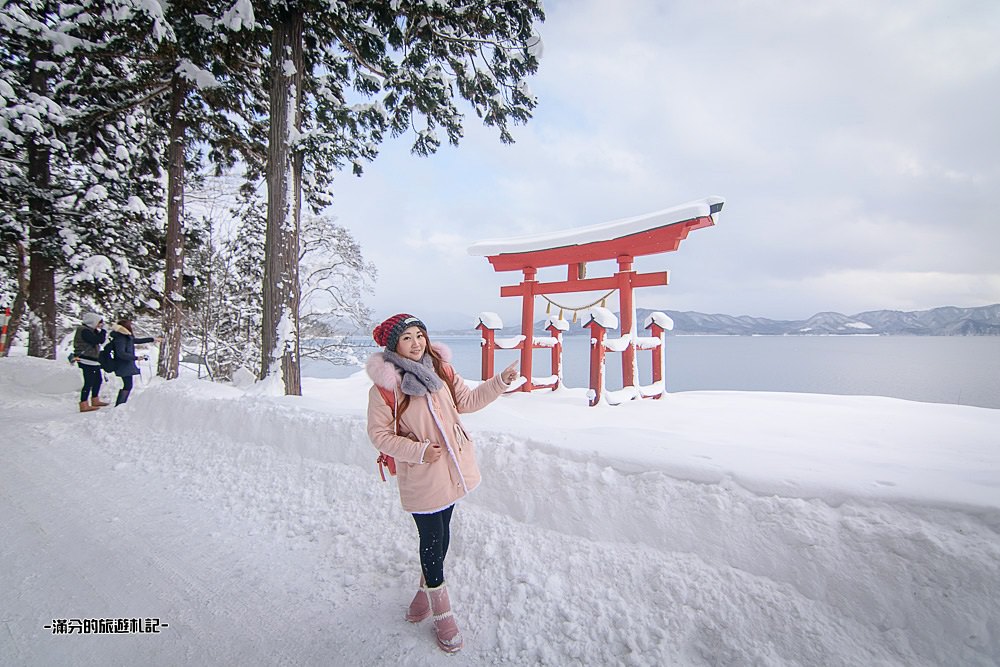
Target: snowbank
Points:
(705, 528)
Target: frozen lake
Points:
(935, 369)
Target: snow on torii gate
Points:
(621, 240)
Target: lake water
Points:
(935, 369)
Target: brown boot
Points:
(97, 403)
(87, 407)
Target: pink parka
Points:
(434, 419)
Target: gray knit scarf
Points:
(419, 378)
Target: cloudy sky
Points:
(856, 143)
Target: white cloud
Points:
(875, 290)
(855, 143)
(439, 243)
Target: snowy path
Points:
(260, 534)
(109, 541)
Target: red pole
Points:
(488, 345)
(3, 329)
(657, 331)
(556, 354)
(596, 361)
(527, 326)
(627, 306)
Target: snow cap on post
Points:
(490, 320)
(662, 319)
(387, 334)
(557, 323)
(602, 316)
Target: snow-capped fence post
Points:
(598, 331)
(657, 364)
(488, 324)
(556, 328)
(658, 324)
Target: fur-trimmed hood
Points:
(385, 375)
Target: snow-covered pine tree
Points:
(237, 332)
(59, 64)
(213, 100)
(210, 202)
(115, 257)
(375, 67)
(227, 319)
(28, 123)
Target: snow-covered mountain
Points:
(945, 321)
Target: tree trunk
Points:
(42, 237)
(280, 335)
(173, 284)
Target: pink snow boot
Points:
(420, 608)
(449, 639)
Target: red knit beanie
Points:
(387, 334)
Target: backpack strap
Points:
(389, 396)
(384, 460)
(449, 370)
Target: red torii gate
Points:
(620, 240)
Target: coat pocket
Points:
(461, 437)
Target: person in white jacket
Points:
(87, 341)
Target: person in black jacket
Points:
(87, 343)
(124, 343)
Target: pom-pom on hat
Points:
(387, 334)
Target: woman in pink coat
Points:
(435, 459)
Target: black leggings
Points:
(125, 390)
(91, 382)
(434, 534)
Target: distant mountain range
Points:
(946, 321)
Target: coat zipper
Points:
(447, 444)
